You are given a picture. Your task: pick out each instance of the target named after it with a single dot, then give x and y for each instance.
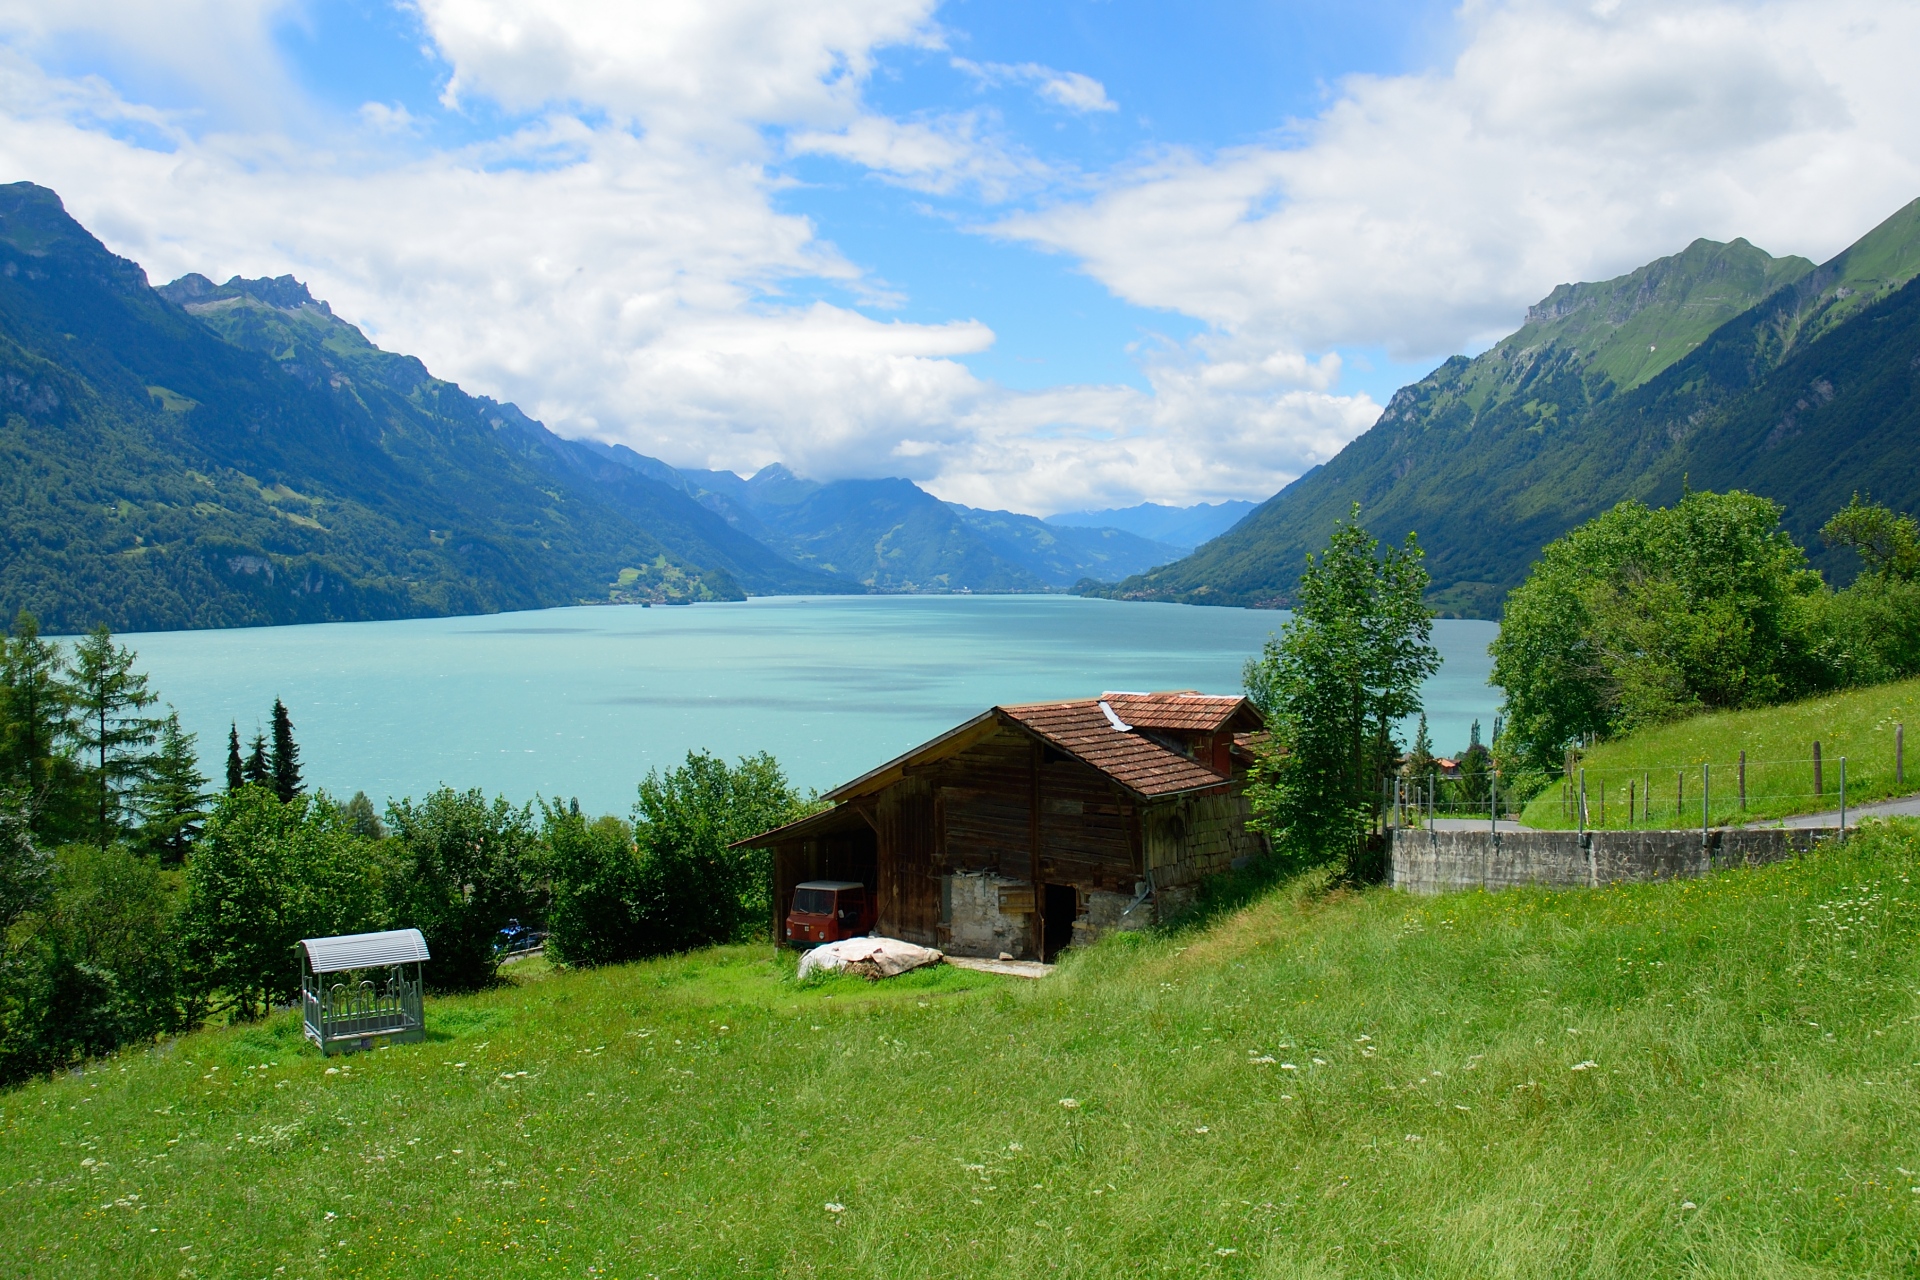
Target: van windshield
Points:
(813, 902)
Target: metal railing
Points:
(345, 1012)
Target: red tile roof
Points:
(1183, 711)
(1130, 752)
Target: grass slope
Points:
(1712, 1078)
(1857, 724)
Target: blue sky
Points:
(1038, 256)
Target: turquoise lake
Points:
(583, 702)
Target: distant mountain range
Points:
(203, 455)
(1183, 527)
(1719, 367)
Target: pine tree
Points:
(236, 769)
(286, 756)
(361, 819)
(36, 725)
(257, 772)
(173, 802)
(1420, 759)
(110, 695)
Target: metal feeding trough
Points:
(343, 1015)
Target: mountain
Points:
(1692, 369)
(1182, 527)
(892, 535)
(236, 455)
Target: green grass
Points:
(1709, 1078)
(1857, 724)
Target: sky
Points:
(1034, 256)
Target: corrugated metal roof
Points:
(365, 950)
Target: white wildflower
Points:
(1070, 1104)
(835, 1208)
(1588, 1065)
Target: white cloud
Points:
(683, 66)
(939, 155)
(1567, 141)
(1070, 89)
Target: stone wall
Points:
(984, 915)
(1439, 861)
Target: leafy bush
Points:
(670, 882)
(1644, 616)
(465, 866)
(596, 870)
(265, 875)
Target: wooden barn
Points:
(1030, 828)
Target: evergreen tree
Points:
(236, 769)
(36, 724)
(173, 803)
(257, 772)
(361, 819)
(286, 756)
(110, 695)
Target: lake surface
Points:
(583, 702)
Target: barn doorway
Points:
(1057, 913)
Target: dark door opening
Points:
(1061, 905)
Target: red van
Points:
(829, 910)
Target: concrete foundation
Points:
(1441, 861)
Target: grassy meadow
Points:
(1857, 724)
(1706, 1078)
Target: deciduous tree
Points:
(1333, 684)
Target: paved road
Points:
(1904, 807)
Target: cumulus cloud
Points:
(1567, 141)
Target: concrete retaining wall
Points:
(1439, 861)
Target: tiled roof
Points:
(1137, 762)
(1184, 711)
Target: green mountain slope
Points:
(1609, 392)
(160, 475)
(281, 320)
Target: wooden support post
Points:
(1819, 786)
(1743, 781)
(1603, 804)
(1631, 786)
(1900, 755)
(1843, 799)
(1580, 804)
(1037, 924)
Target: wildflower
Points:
(1319, 1062)
(835, 1208)
(333, 1071)
(1226, 1253)
(1071, 1104)
(1414, 1137)
(1201, 1129)
(1588, 1065)
(1688, 1204)
(1459, 1106)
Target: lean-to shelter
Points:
(1032, 827)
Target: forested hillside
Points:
(160, 475)
(1721, 363)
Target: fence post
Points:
(1843, 799)
(1493, 802)
(1900, 755)
(1819, 786)
(1580, 803)
(1743, 781)
(1706, 802)
(1679, 793)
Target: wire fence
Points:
(1700, 793)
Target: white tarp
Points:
(875, 957)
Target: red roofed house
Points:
(1029, 828)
